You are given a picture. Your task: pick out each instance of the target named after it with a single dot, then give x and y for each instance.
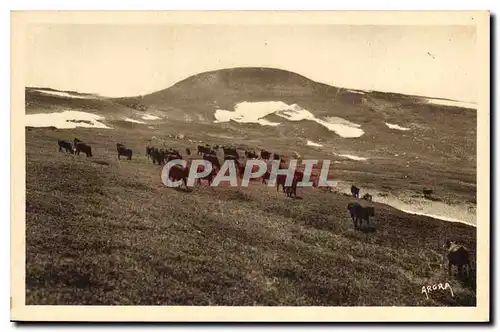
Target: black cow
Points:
(178, 172)
(157, 156)
(292, 189)
(149, 152)
(459, 256)
(355, 191)
(66, 146)
(360, 213)
(171, 156)
(231, 152)
(205, 150)
(265, 154)
(76, 141)
(123, 151)
(213, 159)
(251, 155)
(85, 148)
(174, 152)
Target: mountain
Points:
(439, 131)
(202, 94)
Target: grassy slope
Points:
(103, 231)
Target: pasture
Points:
(103, 231)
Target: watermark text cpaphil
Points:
(231, 171)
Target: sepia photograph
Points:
(250, 166)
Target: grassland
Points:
(100, 231)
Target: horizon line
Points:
(249, 67)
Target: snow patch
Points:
(65, 120)
(150, 117)
(437, 217)
(358, 92)
(134, 121)
(63, 94)
(395, 126)
(352, 157)
(436, 210)
(265, 122)
(254, 112)
(455, 103)
(341, 121)
(311, 143)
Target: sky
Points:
(130, 60)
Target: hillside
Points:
(105, 232)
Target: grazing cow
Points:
(230, 157)
(283, 164)
(251, 155)
(231, 152)
(427, 193)
(209, 177)
(265, 154)
(177, 172)
(82, 147)
(280, 181)
(188, 151)
(360, 213)
(171, 156)
(241, 169)
(368, 197)
(149, 152)
(157, 156)
(459, 256)
(123, 151)
(266, 177)
(355, 191)
(65, 145)
(213, 159)
(292, 189)
(205, 150)
(174, 152)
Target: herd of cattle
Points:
(161, 156)
(457, 255)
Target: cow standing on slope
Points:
(66, 146)
(123, 151)
(292, 189)
(265, 154)
(355, 191)
(459, 256)
(360, 213)
(85, 148)
(205, 150)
